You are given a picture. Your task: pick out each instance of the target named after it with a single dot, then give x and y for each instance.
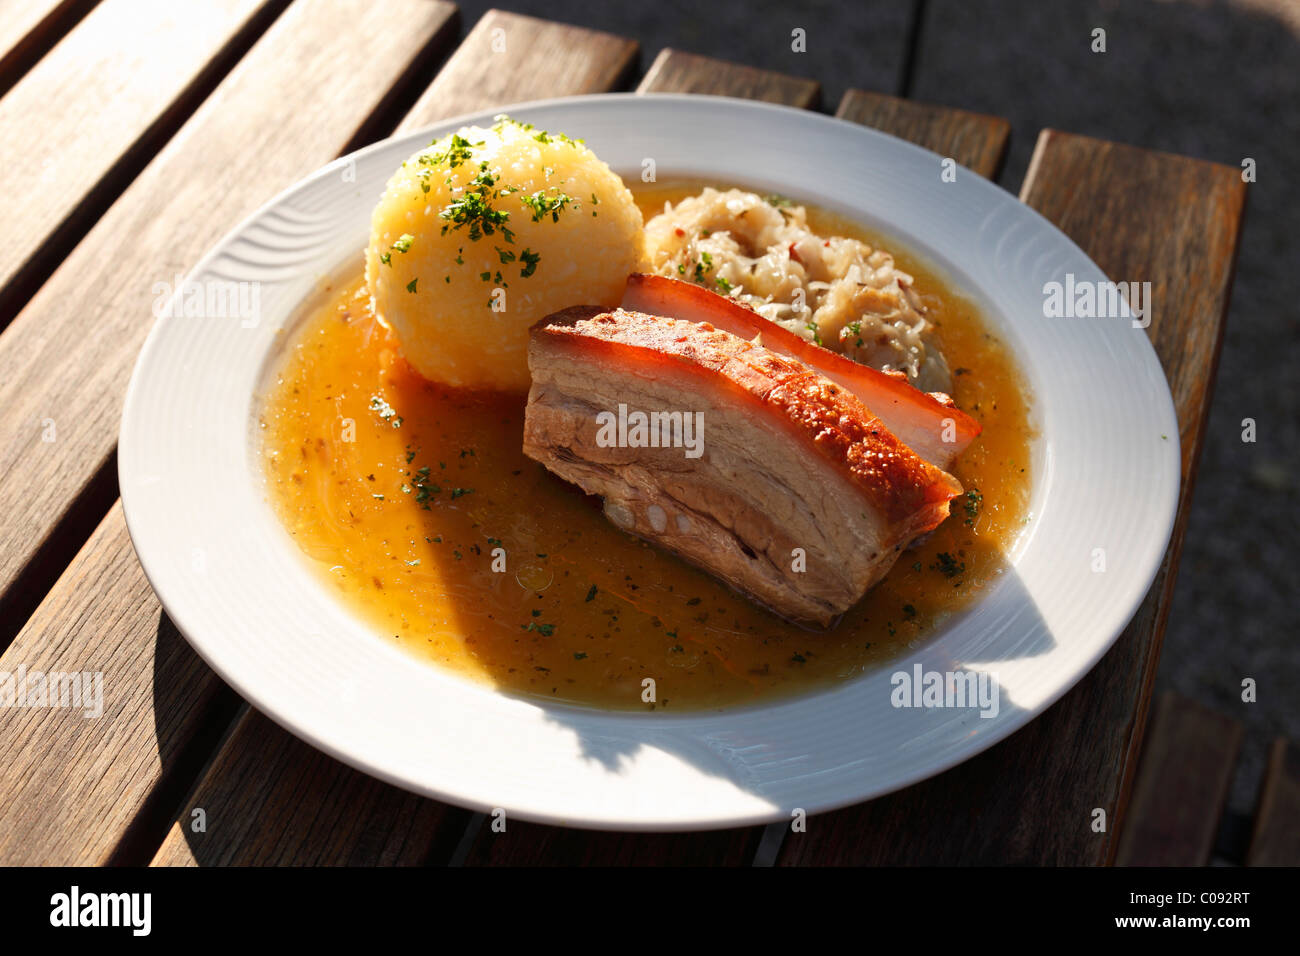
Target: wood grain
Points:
(975, 140)
(1142, 216)
(28, 28)
(71, 787)
(1181, 787)
(508, 58)
(271, 800)
(124, 79)
(87, 791)
(1275, 840)
(676, 72)
(261, 774)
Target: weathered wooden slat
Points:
(1275, 840)
(676, 72)
(88, 791)
(28, 28)
(1181, 787)
(262, 773)
(530, 844)
(507, 58)
(124, 79)
(975, 140)
(1031, 798)
(1106, 196)
(271, 800)
(72, 786)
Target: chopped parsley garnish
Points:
(542, 205)
(530, 260)
(457, 492)
(424, 489)
(775, 199)
(591, 595)
(474, 211)
(546, 630)
(703, 267)
(410, 286)
(459, 150)
(974, 501)
(403, 244)
(948, 566)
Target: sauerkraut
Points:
(835, 291)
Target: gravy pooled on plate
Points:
(418, 507)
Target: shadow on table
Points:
(939, 702)
(192, 710)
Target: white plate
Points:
(1106, 477)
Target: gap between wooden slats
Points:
(28, 28)
(1275, 840)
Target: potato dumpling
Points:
(485, 232)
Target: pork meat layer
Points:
(792, 491)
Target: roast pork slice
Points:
(747, 463)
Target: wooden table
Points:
(135, 133)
